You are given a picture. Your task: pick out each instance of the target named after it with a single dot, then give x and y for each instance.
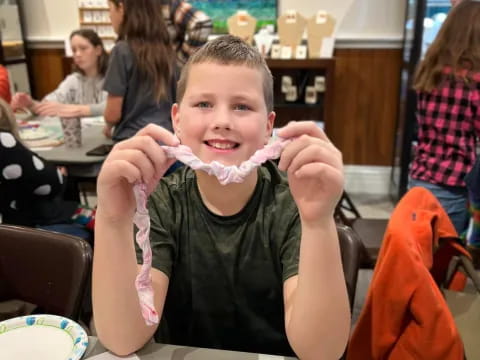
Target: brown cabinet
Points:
(303, 74)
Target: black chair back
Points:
(351, 252)
(48, 269)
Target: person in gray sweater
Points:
(81, 93)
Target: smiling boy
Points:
(254, 266)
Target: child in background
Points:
(81, 93)
(252, 266)
(141, 76)
(31, 188)
(448, 111)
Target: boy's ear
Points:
(270, 122)
(175, 114)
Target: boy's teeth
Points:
(222, 145)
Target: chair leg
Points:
(350, 205)
(83, 191)
(345, 204)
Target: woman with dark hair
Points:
(81, 93)
(448, 111)
(155, 37)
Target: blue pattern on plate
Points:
(75, 331)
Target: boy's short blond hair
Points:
(229, 50)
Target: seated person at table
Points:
(81, 93)
(31, 188)
(252, 266)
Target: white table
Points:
(154, 351)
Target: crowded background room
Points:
(239, 179)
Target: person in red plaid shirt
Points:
(448, 111)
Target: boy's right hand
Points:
(138, 159)
(21, 100)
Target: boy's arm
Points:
(118, 319)
(317, 315)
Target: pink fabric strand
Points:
(232, 173)
(143, 282)
(225, 175)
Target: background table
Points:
(77, 161)
(82, 169)
(154, 351)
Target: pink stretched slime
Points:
(224, 174)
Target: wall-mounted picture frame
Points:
(265, 11)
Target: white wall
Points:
(357, 19)
(50, 19)
(362, 19)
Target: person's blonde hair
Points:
(457, 46)
(7, 120)
(229, 50)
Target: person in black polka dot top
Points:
(31, 189)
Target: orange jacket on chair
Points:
(405, 315)
(4, 85)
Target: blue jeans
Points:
(453, 199)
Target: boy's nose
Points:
(222, 120)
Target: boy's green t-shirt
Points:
(226, 272)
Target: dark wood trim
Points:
(366, 96)
(47, 70)
(303, 72)
(301, 63)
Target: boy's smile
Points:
(222, 145)
(223, 115)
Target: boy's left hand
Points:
(315, 170)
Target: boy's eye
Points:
(242, 107)
(203, 104)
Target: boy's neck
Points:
(225, 200)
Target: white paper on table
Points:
(68, 48)
(270, 357)
(110, 356)
(92, 120)
(43, 148)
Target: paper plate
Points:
(33, 134)
(42, 337)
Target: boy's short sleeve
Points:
(161, 234)
(290, 250)
(117, 76)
